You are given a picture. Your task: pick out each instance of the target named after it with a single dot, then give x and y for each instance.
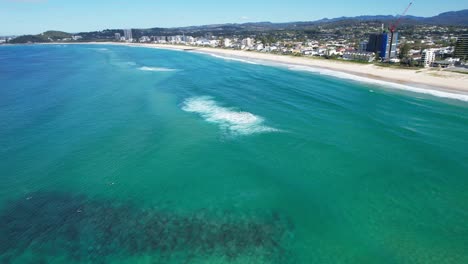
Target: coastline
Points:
(429, 81)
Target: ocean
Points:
(113, 154)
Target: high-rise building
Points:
(362, 46)
(380, 44)
(247, 42)
(117, 36)
(428, 57)
(227, 43)
(461, 48)
(128, 35)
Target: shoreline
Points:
(428, 81)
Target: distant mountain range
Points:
(454, 18)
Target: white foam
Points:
(156, 69)
(341, 75)
(227, 58)
(99, 49)
(233, 59)
(228, 119)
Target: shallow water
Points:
(133, 155)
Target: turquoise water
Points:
(130, 155)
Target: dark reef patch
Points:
(84, 230)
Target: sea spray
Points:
(228, 119)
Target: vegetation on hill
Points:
(47, 36)
(28, 39)
(56, 35)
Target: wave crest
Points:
(348, 76)
(234, 122)
(227, 58)
(156, 69)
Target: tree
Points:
(404, 51)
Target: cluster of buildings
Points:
(6, 39)
(452, 55)
(291, 47)
(127, 36)
(72, 38)
(379, 46)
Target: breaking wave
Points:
(233, 59)
(99, 49)
(341, 75)
(228, 119)
(156, 69)
(227, 58)
(348, 76)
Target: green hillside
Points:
(47, 36)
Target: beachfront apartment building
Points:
(144, 39)
(362, 46)
(128, 35)
(227, 43)
(160, 39)
(247, 42)
(428, 57)
(359, 56)
(461, 47)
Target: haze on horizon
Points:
(36, 16)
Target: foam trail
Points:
(156, 69)
(233, 59)
(227, 58)
(99, 49)
(462, 97)
(234, 122)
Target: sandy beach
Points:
(432, 81)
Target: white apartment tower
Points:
(247, 42)
(227, 43)
(128, 35)
(428, 57)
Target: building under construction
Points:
(380, 45)
(461, 48)
(385, 44)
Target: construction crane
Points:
(394, 26)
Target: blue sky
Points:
(35, 16)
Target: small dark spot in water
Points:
(87, 230)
